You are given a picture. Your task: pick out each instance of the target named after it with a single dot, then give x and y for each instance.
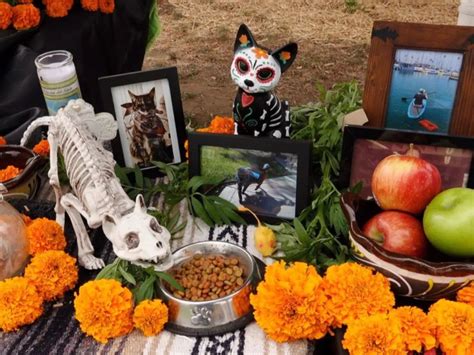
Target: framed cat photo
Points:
(149, 113)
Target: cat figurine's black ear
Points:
(152, 92)
(244, 39)
(285, 55)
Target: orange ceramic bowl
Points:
(26, 184)
(431, 279)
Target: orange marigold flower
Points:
(20, 303)
(42, 148)
(6, 15)
(354, 291)
(25, 16)
(289, 304)
(104, 309)
(24, 1)
(26, 219)
(150, 317)
(90, 5)
(454, 326)
(58, 8)
(107, 6)
(219, 124)
(3, 141)
(53, 273)
(9, 173)
(466, 294)
(44, 234)
(374, 335)
(416, 328)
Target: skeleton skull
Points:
(139, 238)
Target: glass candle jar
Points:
(58, 79)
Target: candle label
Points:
(57, 95)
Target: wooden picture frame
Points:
(153, 128)
(388, 37)
(284, 192)
(364, 147)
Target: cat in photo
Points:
(146, 128)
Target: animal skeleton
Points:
(98, 196)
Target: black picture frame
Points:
(107, 83)
(354, 133)
(300, 148)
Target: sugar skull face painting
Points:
(256, 71)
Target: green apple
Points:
(448, 222)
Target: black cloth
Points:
(101, 44)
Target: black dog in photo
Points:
(247, 176)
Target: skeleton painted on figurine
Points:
(78, 134)
(257, 71)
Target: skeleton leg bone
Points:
(85, 249)
(54, 176)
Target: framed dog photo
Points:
(268, 176)
(148, 109)
(420, 78)
(364, 147)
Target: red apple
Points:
(405, 183)
(398, 232)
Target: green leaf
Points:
(357, 188)
(169, 279)
(146, 290)
(212, 211)
(127, 276)
(122, 175)
(301, 232)
(138, 177)
(109, 271)
(200, 212)
(195, 183)
(234, 216)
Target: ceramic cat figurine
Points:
(257, 71)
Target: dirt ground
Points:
(333, 37)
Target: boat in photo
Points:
(415, 112)
(454, 76)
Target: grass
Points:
(223, 163)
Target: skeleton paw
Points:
(90, 262)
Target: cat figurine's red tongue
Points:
(247, 99)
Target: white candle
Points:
(58, 79)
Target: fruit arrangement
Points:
(417, 214)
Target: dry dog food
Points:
(208, 277)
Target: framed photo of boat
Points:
(420, 77)
(364, 147)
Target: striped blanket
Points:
(58, 332)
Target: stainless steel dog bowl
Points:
(226, 314)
